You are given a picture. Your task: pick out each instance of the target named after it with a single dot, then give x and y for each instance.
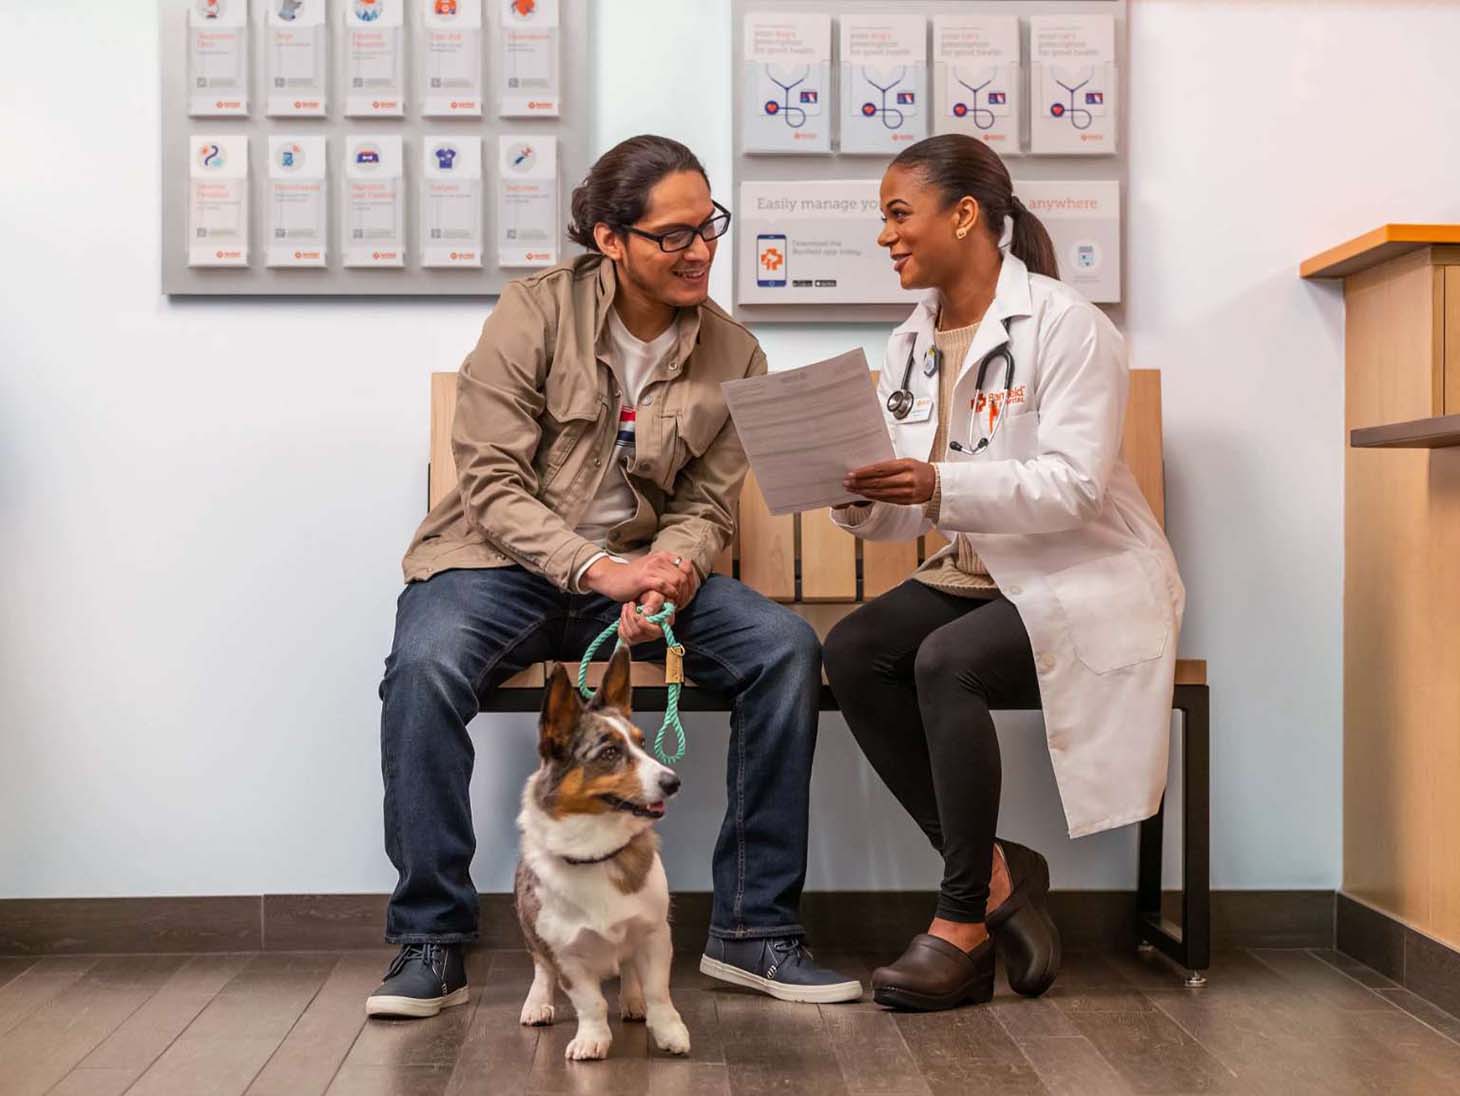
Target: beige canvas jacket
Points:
(536, 417)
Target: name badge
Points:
(922, 410)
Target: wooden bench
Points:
(822, 573)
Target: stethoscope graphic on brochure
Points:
(900, 403)
(1075, 113)
(794, 116)
(983, 117)
(885, 112)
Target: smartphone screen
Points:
(770, 259)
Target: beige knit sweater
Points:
(960, 572)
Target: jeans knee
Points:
(797, 643)
(421, 669)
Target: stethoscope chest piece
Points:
(900, 403)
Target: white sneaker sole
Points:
(808, 995)
(417, 1008)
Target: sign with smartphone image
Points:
(770, 260)
(814, 242)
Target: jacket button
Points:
(1045, 663)
(597, 461)
(1014, 591)
(647, 400)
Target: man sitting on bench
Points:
(597, 469)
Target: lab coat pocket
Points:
(1112, 609)
(1017, 437)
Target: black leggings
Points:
(915, 673)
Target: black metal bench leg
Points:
(1148, 873)
(1189, 943)
(1196, 828)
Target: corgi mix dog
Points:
(590, 890)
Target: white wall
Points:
(203, 504)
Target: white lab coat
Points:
(1057, 518)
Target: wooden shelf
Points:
(1382, 244)
(1436, 433)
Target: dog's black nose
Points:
(669, 783)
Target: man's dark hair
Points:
(616, 190)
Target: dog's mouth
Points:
(638, 810)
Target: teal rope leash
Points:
(673, 675)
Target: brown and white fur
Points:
(594, 798)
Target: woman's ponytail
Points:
(1031, 242)
(959, 166)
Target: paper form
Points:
(218, 57)
(451, 201)
(374, 203)
(297, 174)
(528, 67)
(374, 35)
(805, 429)
(218, 201)
(297, 58)
(449, 58)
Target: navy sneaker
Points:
(781, 967)
(422, 980)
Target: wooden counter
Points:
(1401, 614)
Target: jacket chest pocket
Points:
(570, 412)
(666, 443)
(1113, 609)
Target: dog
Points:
(590, 890)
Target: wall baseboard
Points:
(873, 921)
(1419, 963)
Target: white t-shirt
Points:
(632, 361)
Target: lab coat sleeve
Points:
(883, 520)
(1080, 400)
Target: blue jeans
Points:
(461, 633)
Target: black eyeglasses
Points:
(682, 239)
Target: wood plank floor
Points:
(1277, 1022)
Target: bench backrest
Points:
(804, 557)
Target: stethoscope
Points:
(900, 403)
(785, 109)
(885, 112)
(1059, 110)
(979, 113)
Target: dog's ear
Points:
(617, 690)
(561, 708)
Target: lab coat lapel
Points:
(1011, 299)
(916, 334)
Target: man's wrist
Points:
(582, 576)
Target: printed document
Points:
(804, 429)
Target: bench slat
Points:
(1141, 445)
(767, 546)
(885, 564)
(828, 559)
(441, 475)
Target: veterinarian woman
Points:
(1005, 395)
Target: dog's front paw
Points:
(589, 1046)
(537, 1014)
(670, 1034)
(631, 1008)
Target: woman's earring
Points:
(962, 232)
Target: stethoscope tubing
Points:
(900, 403)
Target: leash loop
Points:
(674, 678)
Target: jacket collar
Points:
(1011, 299)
